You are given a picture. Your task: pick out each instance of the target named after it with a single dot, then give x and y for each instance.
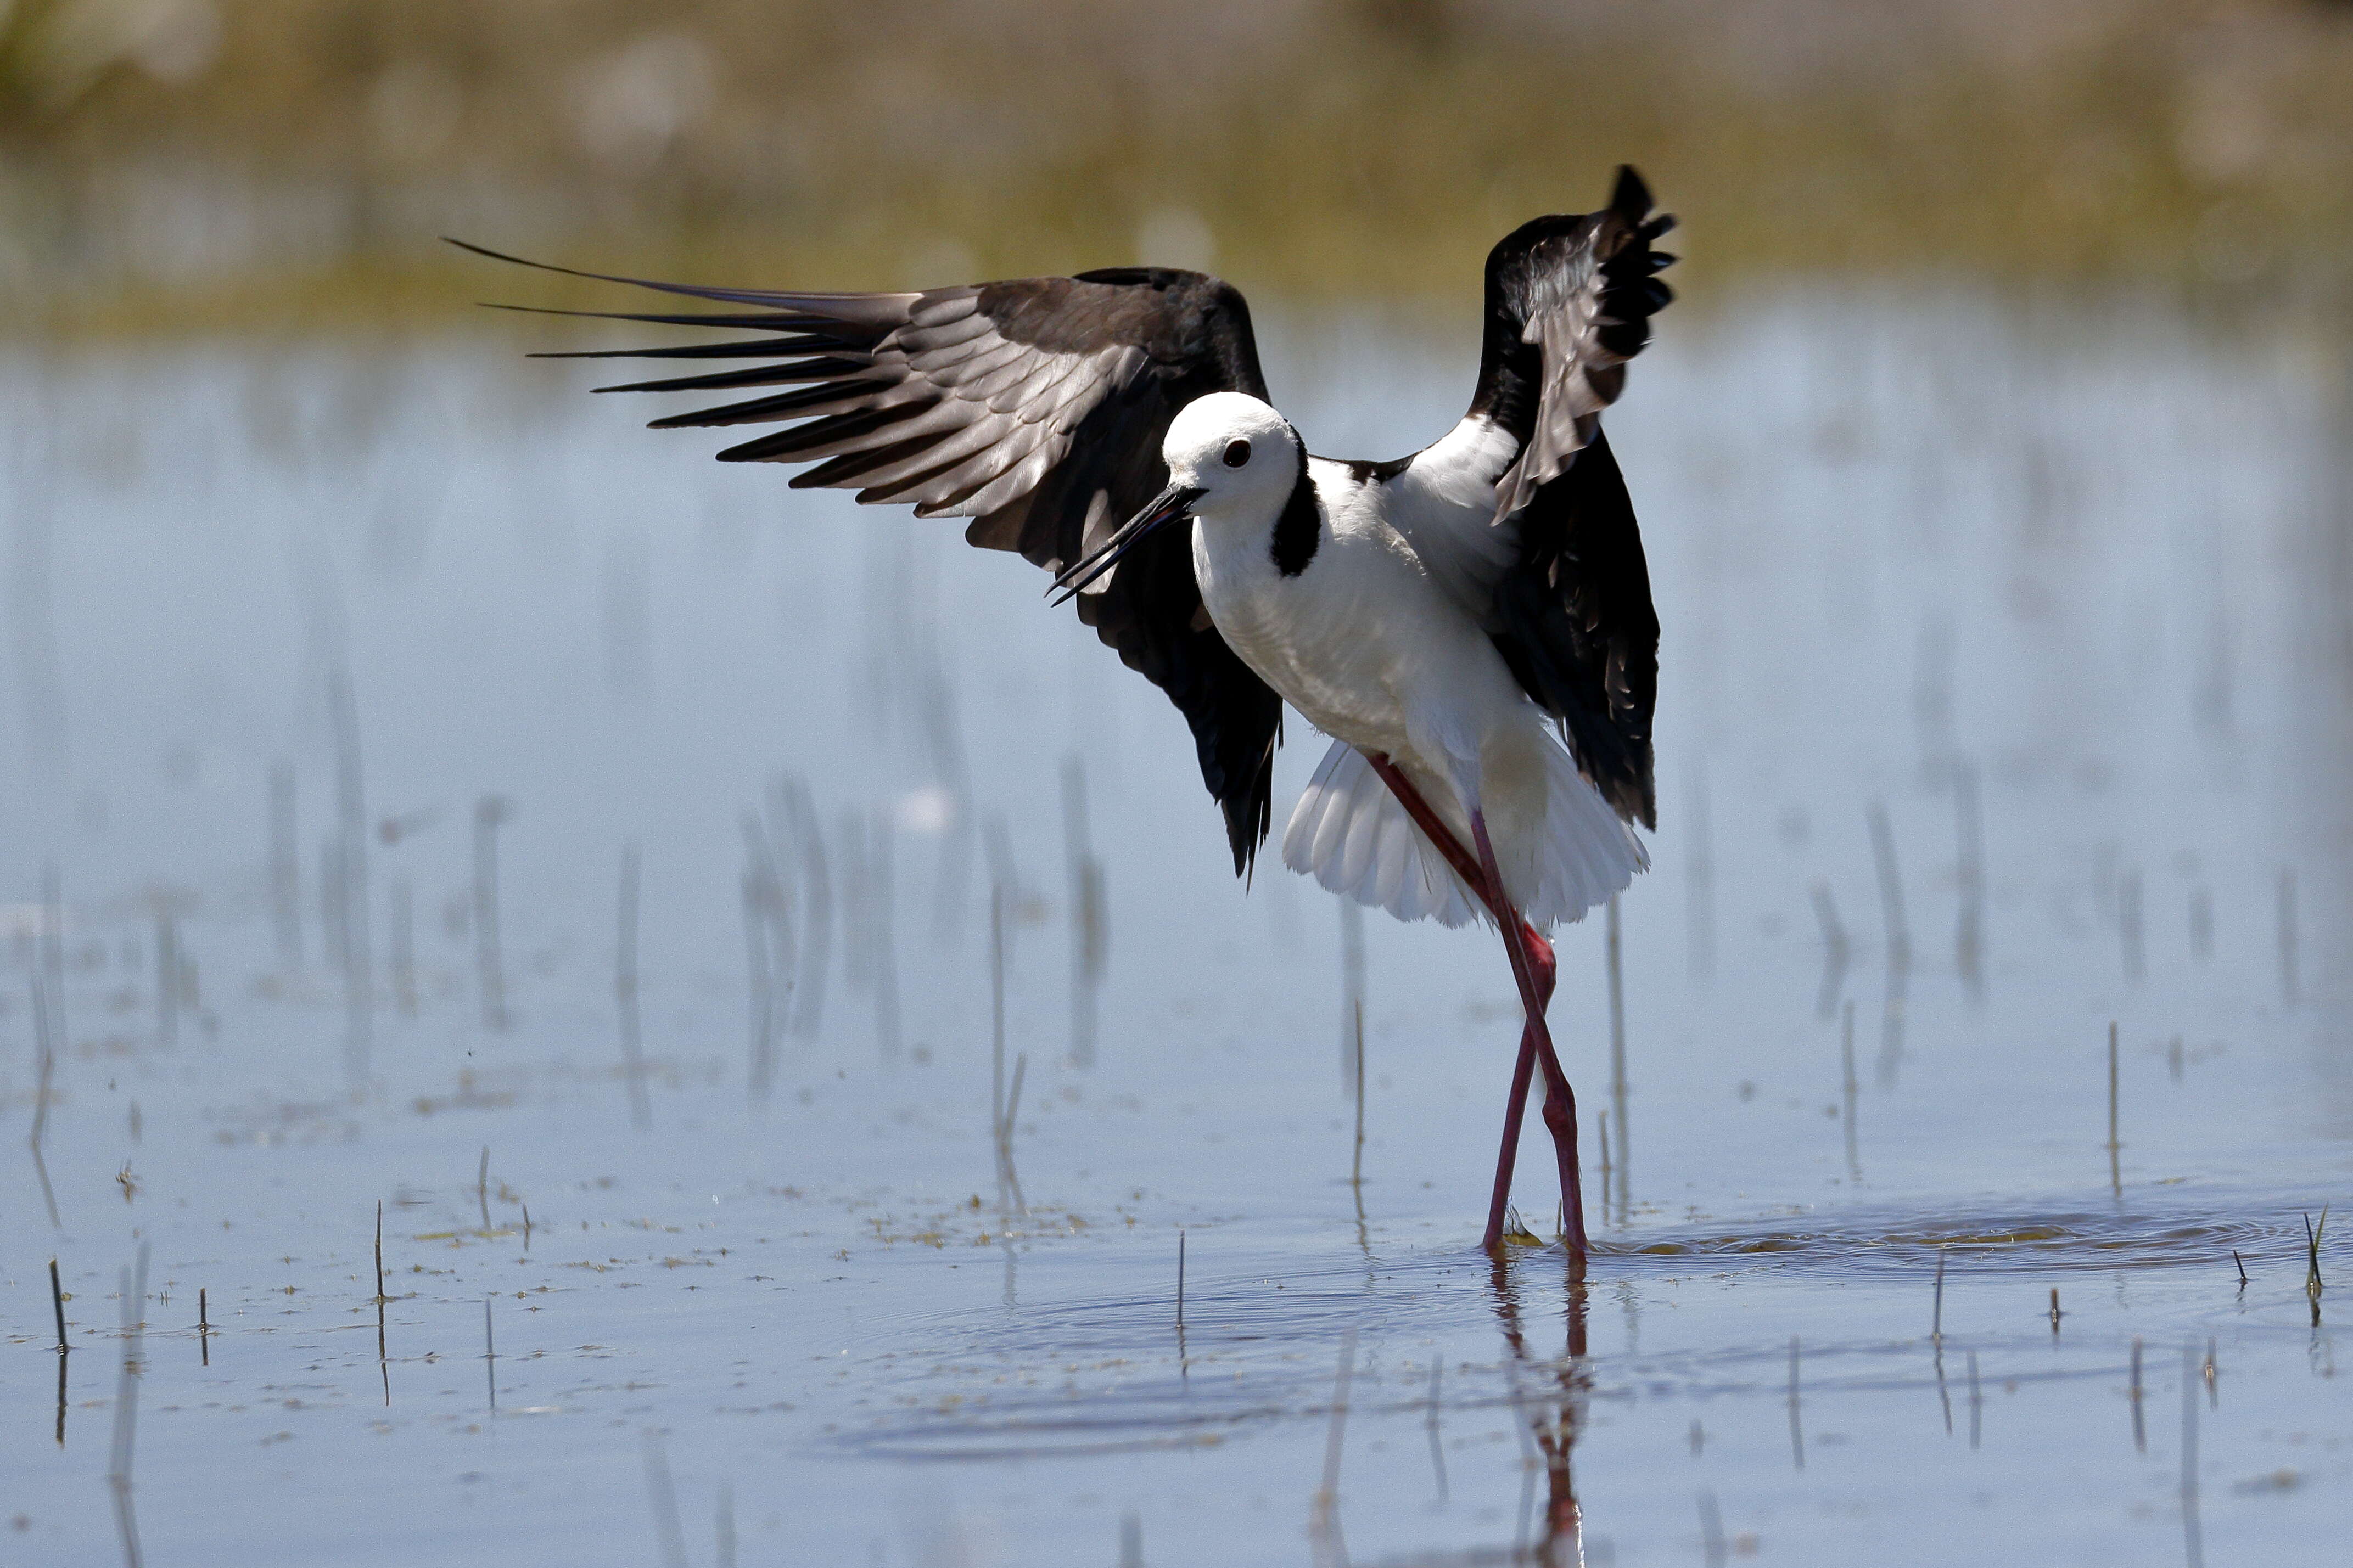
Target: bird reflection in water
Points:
(1551, 1399)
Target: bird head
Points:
(1235, 453)
(1230, 458)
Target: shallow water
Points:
(2087, 562)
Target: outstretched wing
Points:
(1569, 302)
(1036, 407)
(1581, 292)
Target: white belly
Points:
(1365, 645)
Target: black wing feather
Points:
(1569, 302)
(1578, 629)
(1036, 407)
(819, 369)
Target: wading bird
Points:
(1471, 625)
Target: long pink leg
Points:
(1507, 1158)
(1517, 1102)
(1536, 1039)
(1535, 993)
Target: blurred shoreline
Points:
(181, 167)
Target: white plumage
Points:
(1350, 834)
(1371, 627)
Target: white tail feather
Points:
(1351, 835)
(1354, 837)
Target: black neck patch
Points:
(1299, 528)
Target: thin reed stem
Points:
(759, 979)
(767, 930)
(2128, 925)
(1937, 1315)
(997, 1038)
(1837, 951)
(882, 907)
(352, 879)
(1968, 825)
(403, 944)
(53, 955)
(2192, 1534)
(383, 1358)
(817, 906)
(1089, 917)
(1851, 1089)
(1012, 1111)
(2140, 1430)
(168, 973)
(1357, 1160)
(285, 868)
(625, 989)
(2290, 983)
(1891, 888)
(489, 813)
(45, 1036)
(664, 1497)
(1352, 993)
(1328, 1546)
(2116, 1172)
(126, 1407)
(1797, 1424)
(1699, 876)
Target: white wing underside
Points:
(1350, 834)
(1444, 505)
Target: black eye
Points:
(1236, 454)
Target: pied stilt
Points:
(1471, 625)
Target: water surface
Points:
(2082, 566)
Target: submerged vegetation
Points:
(186, 163)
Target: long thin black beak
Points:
(1170, 504)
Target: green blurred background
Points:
(179, 165)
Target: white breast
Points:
(1367, 641)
